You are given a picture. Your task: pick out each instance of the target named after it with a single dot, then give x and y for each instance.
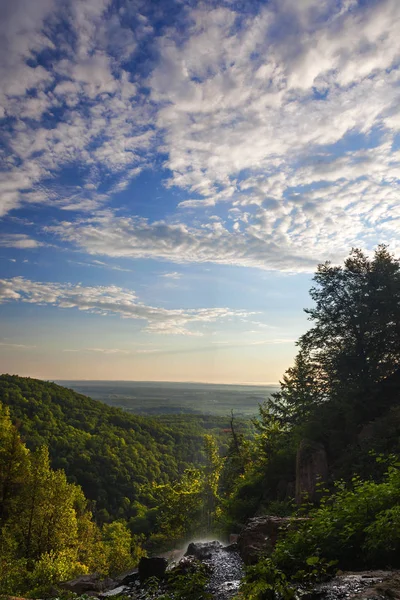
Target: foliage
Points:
(349, 526)
(46, 529)
(190, 584)
(122, 551)
(342, 390)
(111, 454)
(264, 581)
(191, 504)
(354, 342)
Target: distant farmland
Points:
(151, 398)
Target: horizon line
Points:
(255, 383)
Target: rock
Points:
(187, 564)
(233, 538)
(232, 547)
(86, 584)
(259, 536)
(311, 468)
(390, 586)
(152, 567)
(203, 550)
(130, 578)
(363, 585)
(118, 591)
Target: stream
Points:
(226, 570)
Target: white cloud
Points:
(17, 346)
(172, 275)
(104, 122)
(256, 110)
(100, 265)
(123, 237)
(113, 300)
(18, 240)
(293, 238)
(108, 350)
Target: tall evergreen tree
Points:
(354, 342)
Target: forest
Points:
(74, 469)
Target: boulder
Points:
(311, 469)
(203, 550)
(187, 565)
(86, 584)
(258, 537)
(130, 578)
(152, 567)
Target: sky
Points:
(172, 172)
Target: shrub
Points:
(264, 581)
(352, 526)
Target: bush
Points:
(383, 538)
(53, 567)
(359, 527)
(264, 581)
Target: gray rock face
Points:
(311, 468)
(259, 536)
(203, 550)
(224, 565)
(152, 567)
(364, 585)
(87, 584)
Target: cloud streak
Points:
(18, 240)
(113, 300)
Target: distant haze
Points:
(147, 397)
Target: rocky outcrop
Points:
(311, 468)
(363, 585)
(87, 584)
(152, 567)
(258, 537)
(203, 550)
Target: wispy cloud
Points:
(18, 346)
(113, 300)
(18, 240)
(137, 238)
(108, 350)
(173, 275)
(99, 264)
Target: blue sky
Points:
(173, 172)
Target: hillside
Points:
(112, 454)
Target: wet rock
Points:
(232, 548)
(226, 571)
(86, 584)
(152, 567)
(187, 564)
(118, 591)
(259, 536)
(390, 586)
(203, 550)
(130, 578)
(366, 585)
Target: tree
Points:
(302, 388)
(13, 464)
(212, 472)
(354, 342)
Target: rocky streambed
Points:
(224, 568)
(223, 565)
